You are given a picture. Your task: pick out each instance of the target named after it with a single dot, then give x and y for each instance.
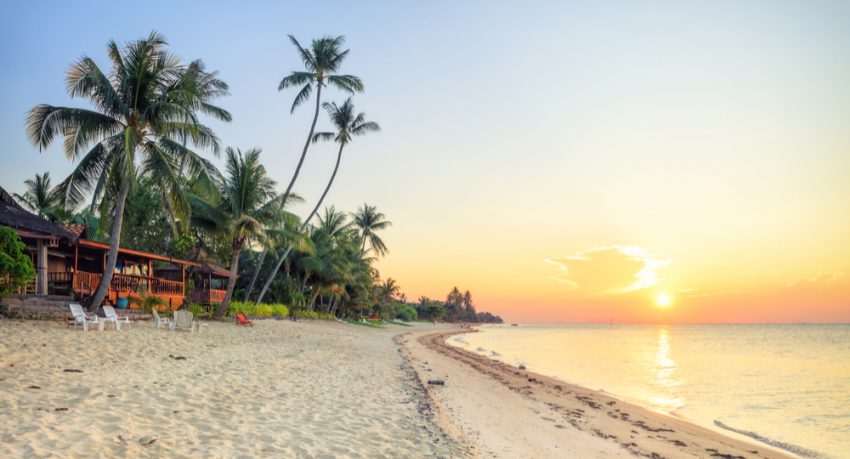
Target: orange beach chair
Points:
(242, 320)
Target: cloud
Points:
(816, 279)
(609, 270)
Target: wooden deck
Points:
(207, 296)
(85, 284)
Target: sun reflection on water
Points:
(668, 399)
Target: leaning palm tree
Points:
(321, 62)
(245, 207)
(145, 116)
(368, 221)
(348, 125)
(39, 197)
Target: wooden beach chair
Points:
(112, 317)
(160, 321)
(81, 318)
(242, 320)
(183, 320)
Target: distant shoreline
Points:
(510, 412)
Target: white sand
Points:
(280, 389)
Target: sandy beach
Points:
(501, 411)
(308, 389)
(280, 389)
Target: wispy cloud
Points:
(608, 270)
(817, 279)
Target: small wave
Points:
(798, 450)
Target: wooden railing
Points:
(207, 296)
(87, 283)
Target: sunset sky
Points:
(564, 161)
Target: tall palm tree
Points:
(321, 62)
(348, 125)
(145, 113)
(39, 197)
(247, 204)
(368, 221)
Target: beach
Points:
(503, 411)
(279, 389)
(308, 389)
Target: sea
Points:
(784, 385)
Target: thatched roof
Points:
(16, 217)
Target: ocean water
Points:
(788, 385)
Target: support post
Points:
(41, 268)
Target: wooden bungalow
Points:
(69, 264)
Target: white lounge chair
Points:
(160, 321)
(112, 317)
(183, 321)
(81, 318)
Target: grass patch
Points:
(369, 323)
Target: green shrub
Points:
(197, 310)
(280, 310)
(16, 268)
(314, 315)
(406, 313)
(147, 302)
(306, 314)
(246, 308)
(263, 310)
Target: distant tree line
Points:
(458, 307)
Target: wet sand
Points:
(501, 411)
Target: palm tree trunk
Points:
(256, 274)
(231, 282)
(303, 225)
(173, 220)
(289, 187)
(114, 243)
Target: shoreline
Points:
(575, 420)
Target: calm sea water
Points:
(787, 384)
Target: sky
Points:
(563, 161)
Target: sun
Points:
(663, 300)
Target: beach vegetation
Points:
(368, 222)
(40, 197)
(348, 124)
(242, 206)
(147, 301)
(139, 182)
(263, 310)
(322, 62)
(199, 310)
(16, 268)
(406, 313)
(145, 116)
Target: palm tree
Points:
(39, 197)
(348, 125)
(145, 112)
(247, 204)
(368, 220)
(321, 62)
